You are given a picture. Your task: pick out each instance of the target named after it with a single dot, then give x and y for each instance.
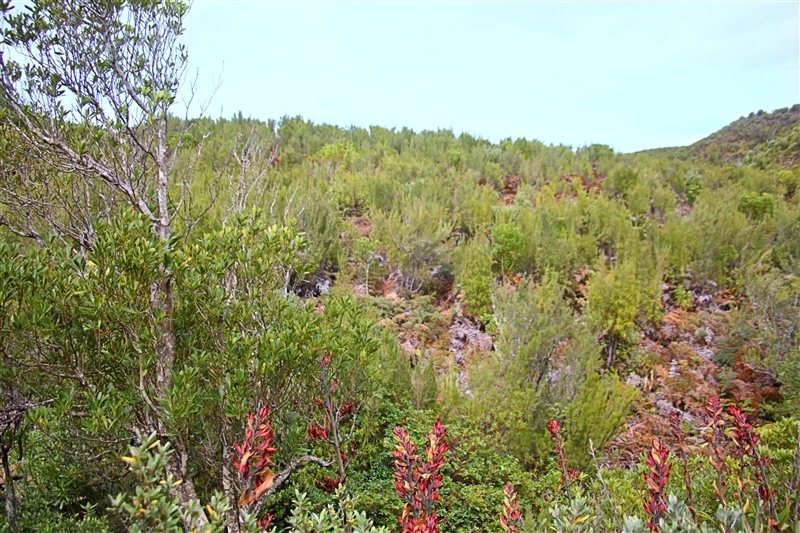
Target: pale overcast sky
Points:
(633, 75)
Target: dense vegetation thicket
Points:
(319, 328)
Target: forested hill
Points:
(231, 326)
(761, 138)
(270, 317)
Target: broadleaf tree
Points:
(125, 323)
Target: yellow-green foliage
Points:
(350, 190)
(597, 414)
(721, 229)
(672, 239)
(786, 250)
(756, 206)
(336, 156)
(553, 232)
(415, 236)
(507, 246)
(474, 205)
(613, 305)
(540, 365)
(622, 181)
(789, 180)
(473, 267)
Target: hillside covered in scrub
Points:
(314, 328)
(762, 139)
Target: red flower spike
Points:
(716, 439)
(253, 457)
(418, 481)
(511, 517)
(329, 484)
(656, 480)
(746, 441)
(553, 426)
(263, 523)
(405, 464)
(316, 432)
(713, 409)
(325, 360)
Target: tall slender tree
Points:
(86, 93)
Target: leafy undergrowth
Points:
(271, 317)
(747, 494)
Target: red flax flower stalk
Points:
(746, 441)
(328, 430)
(553, 427)
(252, 460)
(716, 439)
(511, 518)
(417, 480)
(263, 523)
(656, 480)
(680, 436)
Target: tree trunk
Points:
(229, 490)
(161, 297)
(11, 496)
(185, 492)
(163, 303)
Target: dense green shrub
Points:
(789, 180)
(721, 237)
(473, 265)
(596, 415)
(555, 237)
(415, 235)
(623, 180)
(507, 247)
(693, 184)
(545, 366)
(474, 205)
(756, 206)
(613, 305)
